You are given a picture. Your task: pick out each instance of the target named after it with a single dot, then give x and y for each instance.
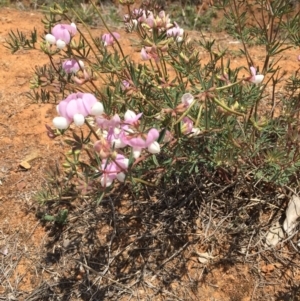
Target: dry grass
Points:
(149, 247)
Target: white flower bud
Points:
(117, 143)
(50, 38)
(257, 79)
(78, 119)
(136, 152)
(60, 123)
(97, 109)
(129, 115)
(81, 64)
(121, 176)
(60, 44)
(179, 39)
(154, 148)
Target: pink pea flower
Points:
(148, 53)
(103, 148)
(108, 38)
(163, 20)
(105, 124)
(72, 66)
(86, 77)
(176, 32)
(150, 21)
(131, 118)
(114, 137)
(111, 130)
(137, 13)
(116, 169)
(144, 55)
(168, 137)
(145, 17)
(255, 78)
(125, 85)
(186, 125)
(61, 35)
(75, 108)
(187, 99)
(139, 141)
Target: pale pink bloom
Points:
(150, 21)
(61, 34)
(80, 81)
(168, 137)
(115, 169)
(145, 17)
(148, 53)
(75, 108)
(105, 123)
(255, 78)
(125, 85)
(103, 148)
(137, 13)
(298, 58)
(72, 66)
(114, 137)
(176, 32)
(187, 99)
(144, 55)
(126, 18)
(140, 140)
(108, 38)
(163, 20)
(186, 125)
(131, 118)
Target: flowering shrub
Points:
(166, 113)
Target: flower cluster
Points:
(113, 133)
(161, 23)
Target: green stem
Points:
(222, 105)
(187, 111)
(107, 28)
(199, 116)
(91, 129)
(230, 85)
(88, 30)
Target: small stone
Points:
(274, 235)
(25, 165)
(292, 213)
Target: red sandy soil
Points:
(23, 137)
